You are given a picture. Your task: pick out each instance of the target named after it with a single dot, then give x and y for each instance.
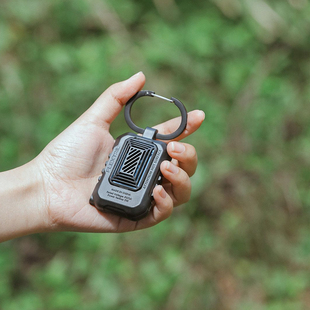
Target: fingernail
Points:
(172, 168)
(177, 147)
(202, 114)
(162, 192)
(136, 74)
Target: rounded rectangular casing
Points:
(131, 173)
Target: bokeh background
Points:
(243, 241)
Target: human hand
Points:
(70, 165)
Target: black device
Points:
(133, 170)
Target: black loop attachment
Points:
(159, 136)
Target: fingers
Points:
(111, 102)
(179, 188)
(162, 209)
(194, 120)
(185, 154)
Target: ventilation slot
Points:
(133, 163)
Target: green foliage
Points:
(242, 242)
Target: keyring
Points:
(149, 93)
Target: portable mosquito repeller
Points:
(133, 170)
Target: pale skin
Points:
(51, 192)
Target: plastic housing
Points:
(131, 173)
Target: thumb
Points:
(110, 103)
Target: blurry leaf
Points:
(28, 11)
(7, 36)
(281, 284)
(60, 58)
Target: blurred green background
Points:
(243, 241)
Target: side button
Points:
(103, 172)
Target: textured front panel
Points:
(133, 163)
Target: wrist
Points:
(22, 202)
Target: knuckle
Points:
(167, 212)
(114, 93)
(184, 196)
(183, 180)
(168, 130)
(187, 196)
(163, 210)
(191, 153)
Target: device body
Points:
(131, 173)
(126, 185)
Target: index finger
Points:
(194, 120)
(109, 104)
